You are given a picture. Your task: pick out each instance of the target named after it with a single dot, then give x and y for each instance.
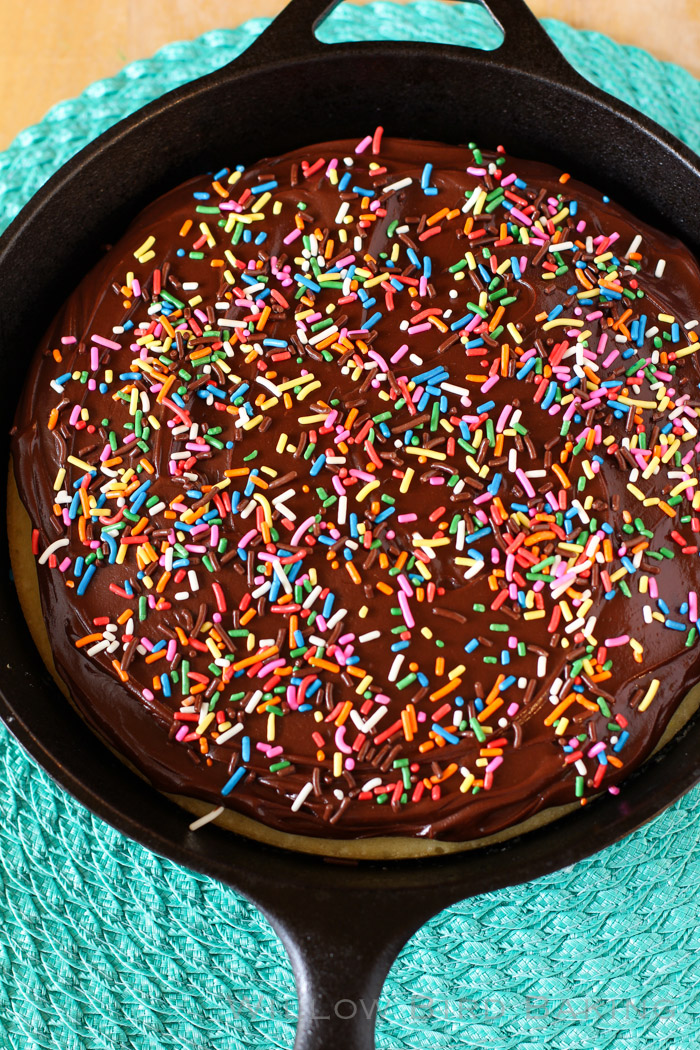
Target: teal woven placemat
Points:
(104, 945)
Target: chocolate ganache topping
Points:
(364, 489)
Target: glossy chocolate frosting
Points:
(506, 691)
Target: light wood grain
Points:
(52, 49)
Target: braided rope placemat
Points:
(104, 945)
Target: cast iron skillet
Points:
(341, 924)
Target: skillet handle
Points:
(342, 946)
(526, 45)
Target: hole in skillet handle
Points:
(526, 46)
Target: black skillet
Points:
(341, 924)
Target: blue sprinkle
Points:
(449, 737)
(235, 779)
(89, 573)
(623, 738)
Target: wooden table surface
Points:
(52, 49)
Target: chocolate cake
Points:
(363, 490)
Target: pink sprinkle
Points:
(407, 615)
(525, 482)
(340, 741)
(105, 342)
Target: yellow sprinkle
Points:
(423, 570)
(649, 695)
(265, 504)
(571, 321)
(261, 202)
(671, 451)
(307, 390)
(636, 402)
(690, 483)
(148, 243)
(369, 487)
(207, 720)
(467, 783)
(429, 453)
(406, 480)
(375, 280)
(337, 764)
(80, 463)
(514, 332)
(561, 726)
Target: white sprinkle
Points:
(400, 185)
(302, 796)
(211, 815)
(99, 646)
(395, 667)
(229, 733)
(309, 601)
(374, 718)
(660, 267)
(336, 618)
(253, 702)
(342, 509)
(51, 548)
(634, 246)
